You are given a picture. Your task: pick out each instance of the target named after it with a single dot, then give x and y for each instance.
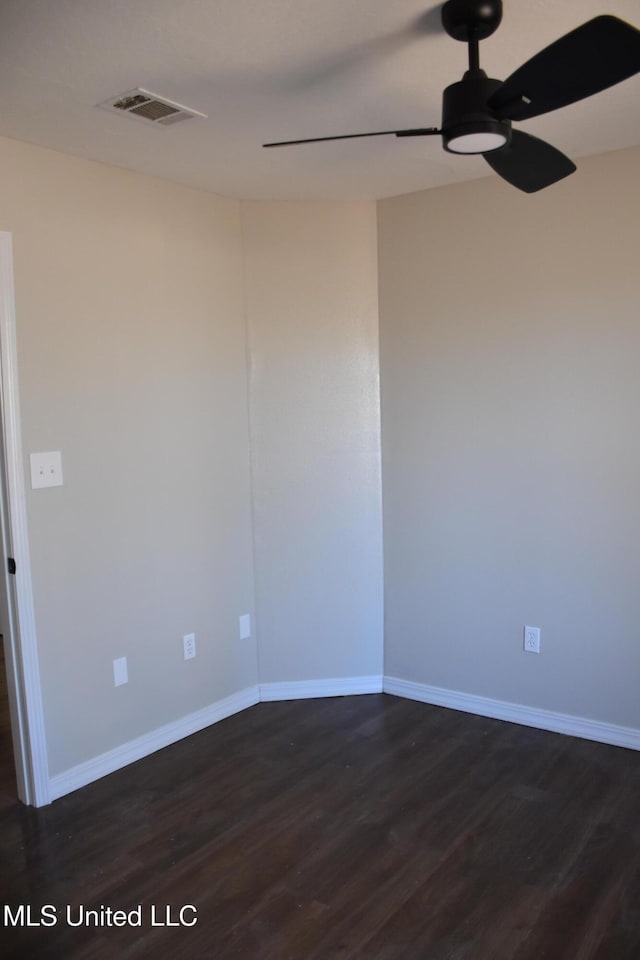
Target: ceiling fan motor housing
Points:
(468, 126)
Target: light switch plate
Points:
(46, 469)
(245, 626)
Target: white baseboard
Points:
(112, 760)
(515, 713)
(306, 689)
(119, 757)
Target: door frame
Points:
(23, 669)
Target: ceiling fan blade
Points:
(528, 163)
(602, 52)
(417, 132)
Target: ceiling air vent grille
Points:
(144, 105)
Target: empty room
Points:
(319, 473)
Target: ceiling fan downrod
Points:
(468, 126)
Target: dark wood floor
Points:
(358, 827)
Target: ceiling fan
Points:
(477, 112)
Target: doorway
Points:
(23, 699)
(8, 783)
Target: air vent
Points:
(144, 105)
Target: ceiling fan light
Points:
(481, 137)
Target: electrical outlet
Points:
(189, 644)
(120, 674)
(532, 639)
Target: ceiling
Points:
(275, 70)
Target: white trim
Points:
(307, 689)
(32, 767)
(112, 760)
(516, 713)
(98, 767)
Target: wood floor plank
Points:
(355, 828)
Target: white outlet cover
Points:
(245, 626)
(120, 674)
(189, 646)
(532, 639)
(46, 469)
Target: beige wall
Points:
(509, 340)
(134, 298)
(311, 289)
(132, 362)
(511, 465)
